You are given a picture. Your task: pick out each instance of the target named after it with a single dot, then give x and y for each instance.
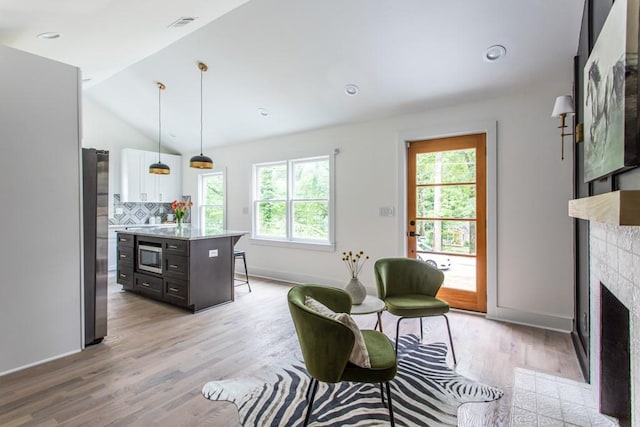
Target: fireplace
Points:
(615, 372)
(615, 320)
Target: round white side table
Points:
(370, 305)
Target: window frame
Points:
(289, 240)
(201, 206)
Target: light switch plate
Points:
(213, 253)
(387, 211)
(119, 211)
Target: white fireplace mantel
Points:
(617, 207)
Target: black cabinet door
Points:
(125, 239)
(176, 247)
(176, 292)
(124, 276)
(125, 255)
(148, 285)
(176, 266)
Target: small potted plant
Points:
(354, 262)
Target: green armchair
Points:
(326, 344)
(409, 287)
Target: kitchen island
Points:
(184, 266)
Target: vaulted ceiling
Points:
(293, 58)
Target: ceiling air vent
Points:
(181, 22)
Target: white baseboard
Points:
(502, 314)
(536, 320)
(40, 362)
(287, 276)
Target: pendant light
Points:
(201, 161)
(159, 168)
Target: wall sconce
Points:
(562, 107)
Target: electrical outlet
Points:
(213, 253)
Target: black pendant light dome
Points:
(201, 161)
(159, 168)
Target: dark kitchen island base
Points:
(191, 269)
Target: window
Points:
(211, 202)
(293, 200)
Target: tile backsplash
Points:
(139, 213)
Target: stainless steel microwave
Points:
(150, 258)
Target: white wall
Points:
(534, 280)
(105, 131)
(40, 293)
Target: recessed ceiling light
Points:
(495, 52)
(351, 89)
(48, 36)
(263, 112)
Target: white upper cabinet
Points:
(138, 185)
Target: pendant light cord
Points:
(159, 120)
(201, 161)
(201, 121)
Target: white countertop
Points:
(183, 233)
(126, 226)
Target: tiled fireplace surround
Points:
(615, 262)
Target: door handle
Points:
(414, 234)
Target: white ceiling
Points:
(293, 58)
(102, 36)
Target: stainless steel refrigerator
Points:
(95, 200)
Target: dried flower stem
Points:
(354, 262)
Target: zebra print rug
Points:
(425, 392)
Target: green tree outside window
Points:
(292, 200)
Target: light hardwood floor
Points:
(156, 358)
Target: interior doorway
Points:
(446, 214)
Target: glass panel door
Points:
(446, 209)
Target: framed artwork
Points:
(611, 138)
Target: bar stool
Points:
(240, 282)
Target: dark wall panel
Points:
(594, 16)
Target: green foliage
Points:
(443, 191)
(213, 202)
(455, 167)
(272, 185)
(311, 220)
(309, 201)
(311, 180)
(272, 220)
(214, 217)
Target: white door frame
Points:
(489, 128)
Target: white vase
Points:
(356, 291)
